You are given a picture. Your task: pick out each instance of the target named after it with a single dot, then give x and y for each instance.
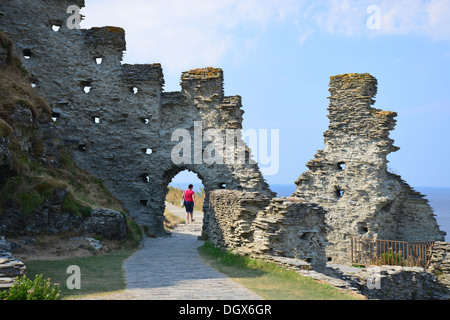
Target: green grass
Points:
(268, 280)
(104, 274)
(99, 274)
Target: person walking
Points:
(189, 203)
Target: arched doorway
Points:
(178, 180)
(176, 188)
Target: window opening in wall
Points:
(86, 85)
(33, 85)
(134, 90)
(82, 148)
(222, 186)
(145, 120)
(145, 177)
(96, 119)
(144, 203)
(56, 28)
(363, 230)
(98, 60)
(27, 53)
(339, 193)
(147, 151)
(55, 116)
(341, 166)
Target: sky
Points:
(279, 56)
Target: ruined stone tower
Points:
(349, 177)
(116, 118)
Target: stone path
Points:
(170, 269)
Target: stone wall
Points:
(116, 118)
(256, 225)
(440, 262)
(398, 283)
(10, 267)
(349, 178)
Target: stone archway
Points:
(210, 183)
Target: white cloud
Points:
(428, 18)
(184, 34)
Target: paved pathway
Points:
(170, 269)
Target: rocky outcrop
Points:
(6, 160)
(107, 223)
(51, 217)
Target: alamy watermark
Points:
(73, 22)
(74, 280)
(374, 281)
(229, 147)
(374, 20)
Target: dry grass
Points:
(16, 92)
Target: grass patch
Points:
(99, 274)
(269, 280)
(70, 204)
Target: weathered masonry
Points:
(119, 124)
(349, 178)
(347, 192)
(115, 117)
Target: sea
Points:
(439, 199)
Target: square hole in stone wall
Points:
(339, 193)
(27, 53)
(341, 166)
(56, 24)
(145, 177)
(86, 86)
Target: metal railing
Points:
(389, 252)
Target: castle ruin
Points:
(115, 117)
(118, 122)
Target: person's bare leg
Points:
(192, 217)
(187, 218)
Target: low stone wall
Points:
(10, 267)
(231, 218)
(256, 225)
(440, 262)
(399, 283)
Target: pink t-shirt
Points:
(188, 195)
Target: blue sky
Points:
(279, 55)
